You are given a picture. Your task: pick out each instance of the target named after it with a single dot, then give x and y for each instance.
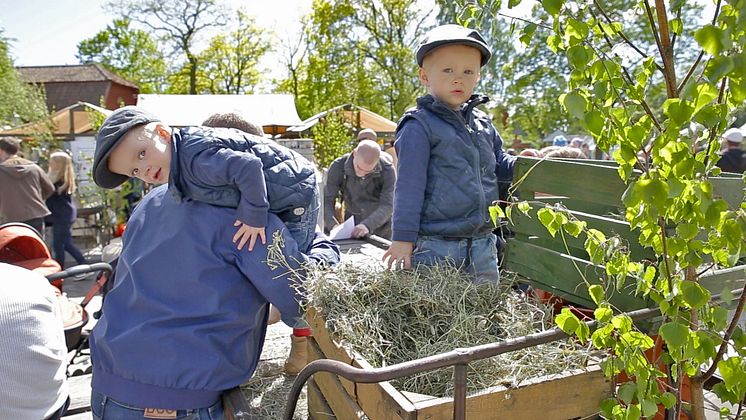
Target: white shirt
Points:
(32, 346)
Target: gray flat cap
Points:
(112, 130)
(449, 35)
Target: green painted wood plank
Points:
(557, 273)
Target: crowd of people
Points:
(200, 276)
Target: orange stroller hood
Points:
(21, 245)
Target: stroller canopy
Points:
(21, 245)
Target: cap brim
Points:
(486, 54)
(105, 178)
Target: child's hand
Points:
(248, 234)
(399, 255)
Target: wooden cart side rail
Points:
(458, 358)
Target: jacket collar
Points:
(438, 107)
(174, 176)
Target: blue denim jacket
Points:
(251, 174)
(186, 317)
(451, 167)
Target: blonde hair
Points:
(64, 172)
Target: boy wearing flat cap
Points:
(451, 163)
(218, 166)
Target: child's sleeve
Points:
(413, 150)
(281, 283)
(241, 170)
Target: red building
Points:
(92, 83)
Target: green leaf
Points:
(552, 7)
(567, 321)
(622, 323)
(602, 314)
(627, 392)
(496, 212)
(649, 408)
(674, 334)
(578, 56)
(732, 371)
(594, 122)
(706, 93)
(574, 228)
(687, 231)
(676, 26)
(713, 39)
(546, 217)
(633, 412)
(597, 293)
(694, 294)
(574, 103)
(668, 399)
(679, 111)
(524, 207)
(653, 191)
(528, 30)
(719, 67)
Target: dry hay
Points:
(389, 317)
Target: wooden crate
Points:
(571, 395)
(592, 192)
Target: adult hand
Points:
(399, 255)
(359, 231)
(248, 234)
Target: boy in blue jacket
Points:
(451, 163)
(218, 166)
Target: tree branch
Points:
(665, 47)
(724, 345)
(621, 34)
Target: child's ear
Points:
(163, 132)
(423, 77)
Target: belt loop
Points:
(468, 252)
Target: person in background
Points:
(732, 158)
(451, 167)
(298, 357)
(33, 353)
(582, 145)
(62, 208)
(23, 188)
(233, 120)
(187, 316)
(363, 180)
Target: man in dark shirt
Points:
(732, 159)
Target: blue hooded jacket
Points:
(230, 168)
(186, 317)
(450, 170)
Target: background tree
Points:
(229, 63)
(332, 138)
(177, 22)
(357, 52)
(20, 103)
(129, 52)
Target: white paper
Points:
(343, 230)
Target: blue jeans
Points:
(475, 256)
(104, 408)
(303, 228)
(63, 241)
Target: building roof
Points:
(355, 115)
(190, 110)
(71, 120)
(75, 73)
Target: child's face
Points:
(144, 153)
(451, 72)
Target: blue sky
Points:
(46, 32)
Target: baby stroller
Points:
(22, 245)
